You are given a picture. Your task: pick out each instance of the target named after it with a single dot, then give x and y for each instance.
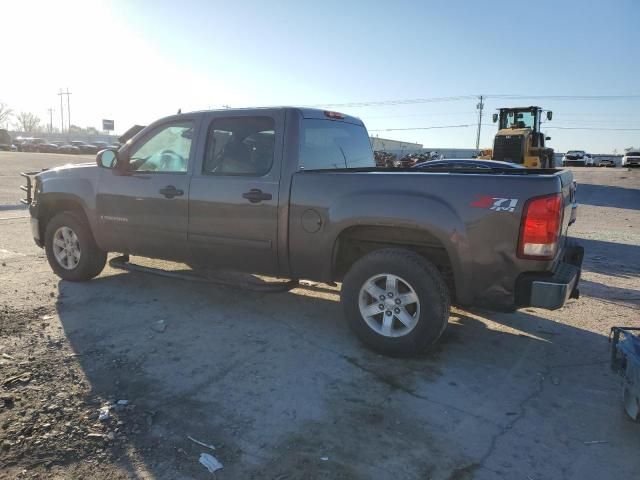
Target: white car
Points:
(579, 158)
(631, 158)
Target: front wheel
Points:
(71, 250)
(396, 302)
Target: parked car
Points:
(32, 144)
(18, 142)
(578, 158)
(467, 163)
(84, 147)
(295, 193)
(607, 162)
(631, 158)
(66, 147)
(5, 140)
(47, 147)
(100, 145)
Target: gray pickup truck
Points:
(294, 193)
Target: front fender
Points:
(60, 193)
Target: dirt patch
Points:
(48, 415)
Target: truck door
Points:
(233, 201)
(142, 206)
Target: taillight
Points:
(540, 228)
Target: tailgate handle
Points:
(255, 195)
(170, 191)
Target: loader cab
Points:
(519, 139)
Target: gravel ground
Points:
(281, 388)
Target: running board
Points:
(122, 263)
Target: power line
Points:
(582, 128)
(567, 97)
(420, 128)
(408, 101)
(492, 125)
(412, 101)
(596, 128)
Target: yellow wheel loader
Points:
(519, 139)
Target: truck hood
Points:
(77, 170)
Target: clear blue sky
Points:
(162, 55)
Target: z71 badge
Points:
(496, 204)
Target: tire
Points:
(428, 316)
(71, 227)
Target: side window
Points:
(240, 146)
(167, 150)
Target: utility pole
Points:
(50, 110)
(479, 106)
(67, 93)
(61, 112)
(69, 110)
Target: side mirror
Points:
(107, 159)
(547, 138)
(495, 117)
(549, 115)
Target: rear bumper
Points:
(551, 291)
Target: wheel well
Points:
(356, 242)
(52, 207)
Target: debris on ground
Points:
(202, 444)
(21, 378)
(210, 462)
(160, 326)
(49, 414)
(103, 413)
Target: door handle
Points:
(255, 195)
(170, 191)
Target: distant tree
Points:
(629, 149)
(27, 122)
(92, 131)
(75, 129)
(5, 114)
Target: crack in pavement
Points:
(390, 382)
(504, 430)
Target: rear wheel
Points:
(396, 302)
(71, 249)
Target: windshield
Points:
(328, 144)
(518, 120)
(633, 154)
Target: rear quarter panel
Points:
(458, 209)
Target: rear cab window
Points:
(333, 144)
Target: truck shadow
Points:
(611, 258)
(609, 196)
(607, 292)
(252, 372)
